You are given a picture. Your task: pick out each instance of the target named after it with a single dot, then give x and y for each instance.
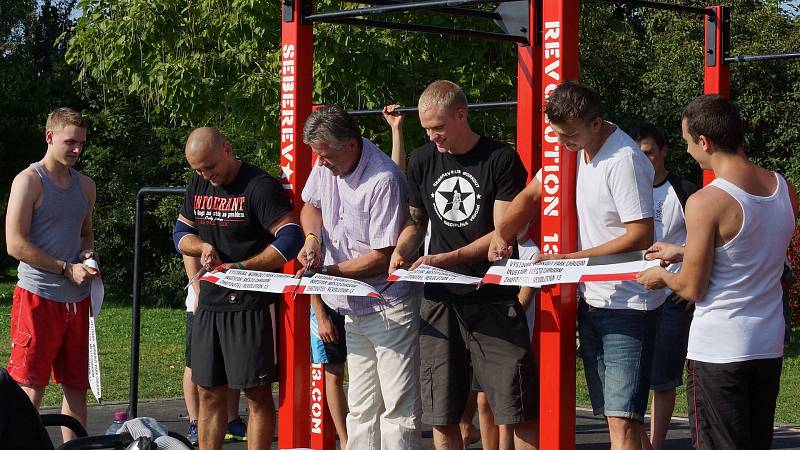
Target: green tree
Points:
(34, 80)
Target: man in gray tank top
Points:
(738, 229)
(49, 230)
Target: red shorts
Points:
(49, 335)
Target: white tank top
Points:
(741, 316)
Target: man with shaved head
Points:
(234, 216)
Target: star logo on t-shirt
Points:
(455, 199)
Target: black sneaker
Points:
(237, 430)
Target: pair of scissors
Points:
(306, 269)
(196, 277)
(385, 287)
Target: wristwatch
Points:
(324, 270)
(63, 268)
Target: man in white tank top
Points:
(49, 230)
(738, 230)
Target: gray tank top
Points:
(56, 229)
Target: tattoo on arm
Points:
(419, 217)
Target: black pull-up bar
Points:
(666, 6)
(136, 307)
(754, 58)
(399, 7)
(451, 10)
(428, 29)
(410, 109)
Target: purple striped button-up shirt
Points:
(362, 211)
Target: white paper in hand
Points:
(98, 290)
(94, 363)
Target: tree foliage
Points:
(34, 79)
(150, 70)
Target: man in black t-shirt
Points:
(463, 182)
(234, 216)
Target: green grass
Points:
(161, 351)
(788, 408)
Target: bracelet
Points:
(63, 268)
(314, 236)
(239, 265)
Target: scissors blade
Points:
(196, 276)
(383, 289)
(299, 280)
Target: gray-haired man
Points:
(356, 205)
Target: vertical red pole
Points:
(293, 338)
(556, 310)
(716, 73)
(529, 118)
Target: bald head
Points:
(204, 139)
(210, 155)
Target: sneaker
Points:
(237, 430)
(191, 434)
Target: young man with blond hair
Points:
(463, 182)
(49, 230)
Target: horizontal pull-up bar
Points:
(754, 58)
(428, 29)
(450, 10)
(399, 7)
(410, 109)
(666, 6)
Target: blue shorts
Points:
(672, 338)
(328, 353)
(617, 350)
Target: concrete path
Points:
(591, 433)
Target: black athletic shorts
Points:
(495, 337)
(732, 405)
(233, 348)
(187, 344)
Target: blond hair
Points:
(443, 93)
(63, 117)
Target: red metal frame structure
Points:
(548, 59)
(556, 310)
(293, 315)
(542, 64)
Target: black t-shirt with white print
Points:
(235, 219)
(458, 194)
